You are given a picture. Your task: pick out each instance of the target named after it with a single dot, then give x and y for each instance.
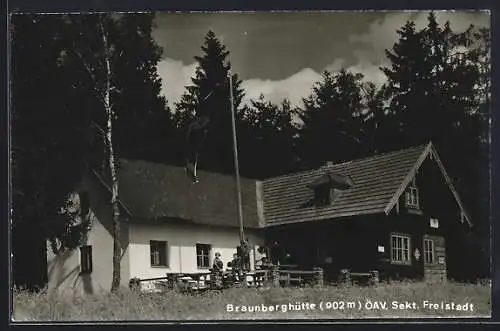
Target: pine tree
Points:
(267, 138)
(48, 144)
(333, 120)
(208, 97)
(437, 87)
(68, 105)
(143, 123)
(433, 88)
(407, 58)
(431, 84)
(380, 124)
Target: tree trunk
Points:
(115, 284)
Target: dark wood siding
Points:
(411, 226)
(349, 243)
(352, 242)
(435, 201)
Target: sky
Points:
(282, 54)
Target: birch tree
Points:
(111, 159)
(85, 91)
(97, 55)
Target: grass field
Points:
(396, 300)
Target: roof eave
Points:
(106, 186)
(326, 217)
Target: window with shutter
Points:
(86, 259)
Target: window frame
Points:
(86, 258)
(394, 259)
(412, 199)
(431, 252)
(434, 223)
(157, 254)
(200, 256)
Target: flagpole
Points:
(236, 163)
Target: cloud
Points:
(294, 88)
(300, 84)
(175, 77)
(382, 33)
(371, 73)
(368, 55)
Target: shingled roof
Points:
(378, 183)
(153, 191)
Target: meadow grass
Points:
(338, 302)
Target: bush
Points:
(134, 284)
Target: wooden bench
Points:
(354, 277)
(361, 274)
(297, 276)
(260, 277)
(194, 282)
(288, 278)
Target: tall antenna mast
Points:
(236, 163)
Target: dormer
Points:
(324, 195)
(328, 187)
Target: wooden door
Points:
(434, 258)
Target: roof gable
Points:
(429, 151)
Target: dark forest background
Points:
(437, 89)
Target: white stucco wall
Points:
(182, 240)
(64, 269)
